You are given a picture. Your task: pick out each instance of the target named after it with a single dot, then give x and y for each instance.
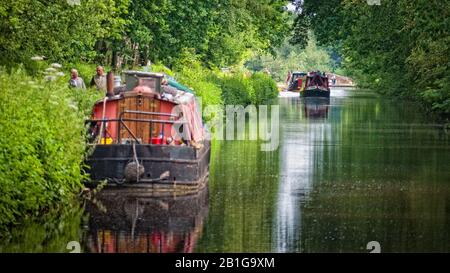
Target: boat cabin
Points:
(316, 85)
(296, 81)
(144, 111)
(148, 131)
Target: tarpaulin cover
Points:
(179, 86)
(192, 115)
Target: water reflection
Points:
(304, 129)
(316, 107)
(130, 222)
(360, 168)
(373, 170)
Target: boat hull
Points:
(318, 93)
(185, 165)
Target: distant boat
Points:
(316, 85)
(296, 81)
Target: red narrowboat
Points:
(316, 85)
(147, 133)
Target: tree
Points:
(55, 29)
(398, 47)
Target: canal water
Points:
(350, 170)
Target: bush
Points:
(160, 68)
(41, 142)
(236, 89)
(191, 73)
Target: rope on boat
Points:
(134, 170)
(102, 126)
(136, 162)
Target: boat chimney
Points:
(110, 84)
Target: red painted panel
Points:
(166, 107)
(110, 113)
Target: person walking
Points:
(99, 79)
(76, 81)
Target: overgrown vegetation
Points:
(290, 57)
(42, 144)
(215, 87)
(400, 47)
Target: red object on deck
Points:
(157, 140)
(178, 142)
(299, 84)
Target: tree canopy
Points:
(397, 47)
(222, 32)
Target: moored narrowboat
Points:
(147, 133)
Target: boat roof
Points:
(143, 74)
(299, 72)
(315, 73)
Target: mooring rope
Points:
(136, 161)
(102, 126)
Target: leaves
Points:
(55, 29)
(41, 144)
(399, 47)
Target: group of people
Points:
(98, 80)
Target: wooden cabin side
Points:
(137, 110)
(136, 114)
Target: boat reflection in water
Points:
(315, 108)
(133, 223)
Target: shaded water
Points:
(351, 170)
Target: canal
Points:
(348, 171)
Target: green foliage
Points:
(293, 58)
(399, 47)
(42, 144)
(264, 88)
(191, 73)
(236, 89)
(160, 68)
(55, 29)
(229, 88)
(244, 27)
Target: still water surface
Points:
(349, 170)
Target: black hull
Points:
(185, 165)
(315, 93)
(293, 89)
